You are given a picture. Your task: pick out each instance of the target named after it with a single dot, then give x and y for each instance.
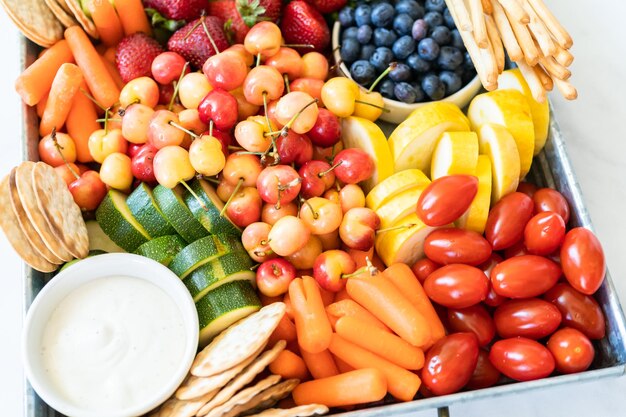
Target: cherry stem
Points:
(258, 59)
(386, 110)
(237, 187)
(263, 252)
(321, 174)
(193, 193)
(106, 120)
(267, 117)
(206, 30)
(59, 148)
(316, 215)
(275, 270)
(90, 97)
(254, 267)
(209, 179)
(295, 116)
(235, 148)
(274, 151)
(334, 67)
(390, 229)
(367, 268)
(391, 66)
(187, 131)
(177, 86)
(211, 127)
(110, 120)
(299, 45)
(286, 78)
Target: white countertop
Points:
(597, 147)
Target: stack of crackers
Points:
(40, 218)
(43, 21)
(228, 377)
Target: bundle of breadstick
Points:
(531, 35)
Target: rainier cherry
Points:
(206, 156)
(102, 143)
(167, 67)
(190, 120)
(286, 61)
(305, 257)
(219, 106)
(264, 38)
(226, 70)
(353, 165)
(244, 207)
(358, 228)
(142, 164)
(135, 123)
(88, 190)
(242, 167)
(238, 48)
(244, 109)
(339, 95)
(161, 131)
(317, 177)
(172, 165)
(330, 267)
(314, 65)
(294, 148)
(270, 214)
(297, 111)
(116, 171)
(142, 90)
(311, 86)
(351, 196)
(322, 216)
(278, 184)
(256, 241)
(261, 81)
(55, 154)
(327, 129)
(288, 235)
(273, 277)
(192, 89)
(250, 134)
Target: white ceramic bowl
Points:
(88, 270)
(399, 111)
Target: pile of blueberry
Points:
(420, 36)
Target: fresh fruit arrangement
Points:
(375, 267)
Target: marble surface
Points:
(597, 147)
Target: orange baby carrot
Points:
(402, 384)
(64, 88)
(41, 105)
(312, 326)
(356, 387)
(100, 82)
(106, 20)
(386, 345)
(285, 330)
(133, 17)
(342, 294)
(113, 72)
(81, 123)
(402, 277)
(36, 80)
(320, 365)
(327, 296)
(289, 308)
(109, 54)
(342, 366)
(390, 306)
(289, 365)
(350, 308)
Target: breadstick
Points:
(496, 42)
(539, 31)
(545, 79)
(531, 53)
(462, 20)
(506, 32)
(515, 11)
(563, 56)
(533, 81)
(487, 6)
(480, 31)
(558, 31)
(554, 68)
(567, 90)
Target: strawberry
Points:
(134, 56)
(303, 24)
(241, 15)
(178, 9)
(191, 41)
(327, 6)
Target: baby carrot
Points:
(402, 277)
(41, 105)
(386, 345)
(350, 308)
(64, 88)
(356, 387)
(312, 326)
(289, 365)
(113, 72)
(109, 54)
(133, 17)
(390, 306)
(402, 384)
(81, 123)
(98, 79)
(36, 80)
(106, 20)
(360, 257)
(285, 330)
(320, 365)
(342, 366)
(289, 308)
(327, 296)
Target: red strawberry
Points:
(135, 54)
(328, 6)
(302, 24)
(191, 41)
(178, 9)
(241, 15)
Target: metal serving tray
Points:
(551, 168)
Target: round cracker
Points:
(63, 5)
(244, 378)
(178, 408)
(262, 400)
(85, 21)
(238, 342)
(26, 192)
(15, 235)
(299, 411)
(242, 397)
(60, 211)
(29, 231)
(35, 20)
(66, 19)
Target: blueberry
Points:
(386, 88)
(364, 34)
(382, 14)
(403, 47)
(419, 29)
(468, 64)
(350, 50)
(433, 19)
(433, 87)
(419, 93)
(428, 49)
(435, 5)
(381, 58)
(405, 92)
(362, 72)
(449, 58)
(457, 40)
(346, 16)
(468, 75)
(451, 81)
(418, 64)
(448, 19)
(350, 32)
(384, 37)
(363, 14)
(367, 51)
(441, 35)
(403, 24)
(402, 72)
(410, 7)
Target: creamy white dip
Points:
(112, 343)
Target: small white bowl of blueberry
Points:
(420, 37)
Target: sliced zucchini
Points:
(118, 223)
(202, 251)
(162, 249)
(173, 207)
(98, 240)
(147, 212)
(208, 213)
